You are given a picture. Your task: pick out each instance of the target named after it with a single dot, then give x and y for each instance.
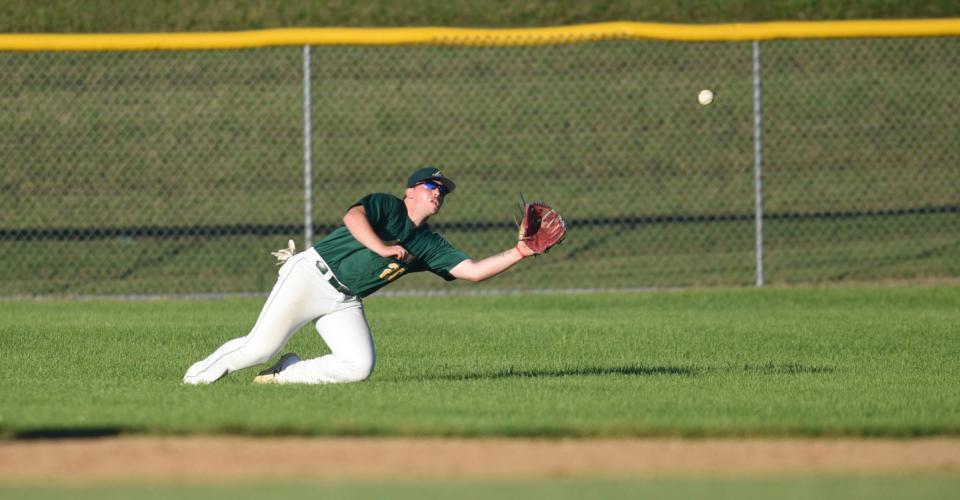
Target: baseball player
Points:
(383, 238)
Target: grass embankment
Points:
(610, 133)
(215, 15)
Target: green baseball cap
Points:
(430, 174)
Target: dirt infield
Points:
(204, 458)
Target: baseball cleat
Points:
(269, 376)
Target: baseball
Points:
(705, 97)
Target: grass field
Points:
(775, 362)
(857, 362)
(866, 487)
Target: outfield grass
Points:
(773, 362)
(835, 487)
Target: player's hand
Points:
(524, 250)
(284, 254)
(393, 251)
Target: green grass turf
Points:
(828, 487)
(770, 362)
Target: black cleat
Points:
(269, 376)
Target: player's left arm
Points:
(362, 231)
(489, 267)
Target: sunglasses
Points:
(436, 185)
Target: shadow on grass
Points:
(68, 433)
(637, 371)
(779, 369)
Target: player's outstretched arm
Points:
(491, 266)
(540, 229)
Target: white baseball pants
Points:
(302, 294)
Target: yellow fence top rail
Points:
(469, 36)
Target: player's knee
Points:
(363, 372)
(360, 370)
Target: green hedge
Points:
(82, 16)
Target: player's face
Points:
(430, 193)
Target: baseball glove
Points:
(540, 227)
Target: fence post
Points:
(758, 162)
(307, 148)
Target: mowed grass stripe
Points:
(771, 362)
(870, 486)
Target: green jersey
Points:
(365, 272)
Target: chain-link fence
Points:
(178, 172)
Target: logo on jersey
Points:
(392, 272)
